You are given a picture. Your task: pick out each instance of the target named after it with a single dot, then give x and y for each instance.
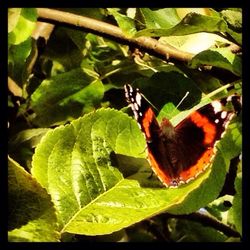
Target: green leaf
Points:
(65, 96)
(125, 23)
(237, 204)
(219, 57)
(65, 46)
(13, 16)
(204, 81)
(193, 43)
(17, 56)
(159, 88)
(191, 231)
(134, 199)
(77, 37)
(234, 21)
(24, 26)
(30, 136)
(21, 146)
(31, 213)
(233, 18)
(232, 145)
(219, 208)
(191, 23)
(74, 162)
(162, 18)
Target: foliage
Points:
(77, 161)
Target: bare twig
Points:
(147, 44)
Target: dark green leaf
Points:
(169, 87)
(31, 136)
(190, 231)
(64, 96)
(65, 46)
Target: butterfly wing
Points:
(147, 121)
(197, 136)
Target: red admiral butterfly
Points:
(179, 154)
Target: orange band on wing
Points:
(162, 175)
(185, 175)
(147, 120)
(208, 128)
(199, 167)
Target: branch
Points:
(207, 220)
(148, 44)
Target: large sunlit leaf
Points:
(75, 162)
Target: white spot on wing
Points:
(217, 106)
(136, 107)
(138, 99)
(223, 115)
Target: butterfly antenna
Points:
(151, 104)
(181, 101)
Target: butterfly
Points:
(178, 154)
